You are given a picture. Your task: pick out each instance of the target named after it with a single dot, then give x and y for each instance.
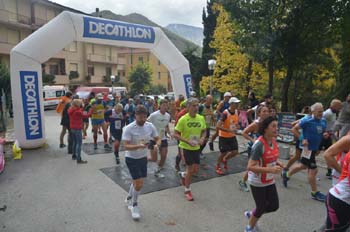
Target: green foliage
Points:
(106, 79)
(157, 89)
(5, 82)
(73, 75)
(140, 79)
(48, 79)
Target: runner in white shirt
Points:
(160, 119)
(136, 137)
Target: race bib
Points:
(194, 139)
(270, 176)
(117, 125)
(306, 153)
(208, 118)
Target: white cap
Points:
(234, 100)
(193, 94)
(99, 96)
(227, 94)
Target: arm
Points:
(295, 130)
(132, 147)
(253, 165)
(251, 128)
(330, 154)
(177, 135)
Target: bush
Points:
(73, 75)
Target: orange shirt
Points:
(230, 121)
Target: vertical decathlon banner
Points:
(27, 56)
(31, 104)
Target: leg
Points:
(105, 133)
(295, 158)
(338, 214)
(63, 132)
(312, 179)
(163, 155)
(95, 129)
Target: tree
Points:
(157, 89)
(140, 78)
(233, 70)
(48, 79)
(209, 24)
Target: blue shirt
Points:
(313, 131)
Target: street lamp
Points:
(211, 66)
(112, 80)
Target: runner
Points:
(190, 131)
(251, 133)
(330, 115)
(343, 122)
(206, 110)
(179, 155)
(136, 137)
(313, 129)
(227, 126)
(262, 166)
(97, 120)
(160, 119)
(60, 107)
(116, 119)
(335, 155)
(222, 106)
(87, 107)
(338, 198)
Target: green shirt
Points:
(190, 129)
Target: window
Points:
(13, 36)
(158, 75)
(91, 70)
(60, 93)
(141, 59)
(73, 67)
(53, 69)
(108, 71)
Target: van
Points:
(84, 91)
(120, 91)
(52, 95)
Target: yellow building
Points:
(93, 63)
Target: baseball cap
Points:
(234, 100)
(227, 94)
(99, 96)
(193, 94)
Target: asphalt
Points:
(46, 191)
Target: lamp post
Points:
(112, 80)
(211, 66)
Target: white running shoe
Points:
(158, 174)
(135, 212)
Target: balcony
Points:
(102, 59)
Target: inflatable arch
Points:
(27, 57)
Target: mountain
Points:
(181, 43)
(194, 34)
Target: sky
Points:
(162, 12)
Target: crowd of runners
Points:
(142, 127)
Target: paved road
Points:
(46, 191)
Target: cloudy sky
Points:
(162, 12)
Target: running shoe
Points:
(135, 212)
(219, 171)
(158, 174)
(248, 214)
(182, 178)
(62, 145)
(285, 179)
(211, 146)
(189, 196)
(250, 229)
(318, 196)
(107, 147)
(243, 186)
(128, 202)
(81, 161)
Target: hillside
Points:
(191, 33)
(181, 43)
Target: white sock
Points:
(131, 190)
(135, 195)
(187, 189)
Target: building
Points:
(79, 63)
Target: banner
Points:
(284, 127)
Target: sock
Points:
(135, 195)
(131, 190)
(249, 227)
(187, 189)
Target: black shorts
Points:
(137, 167)
(310, 163)
(191, 157)
(164, 143)
(117, 135)
(228, 144)
(325, 143)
